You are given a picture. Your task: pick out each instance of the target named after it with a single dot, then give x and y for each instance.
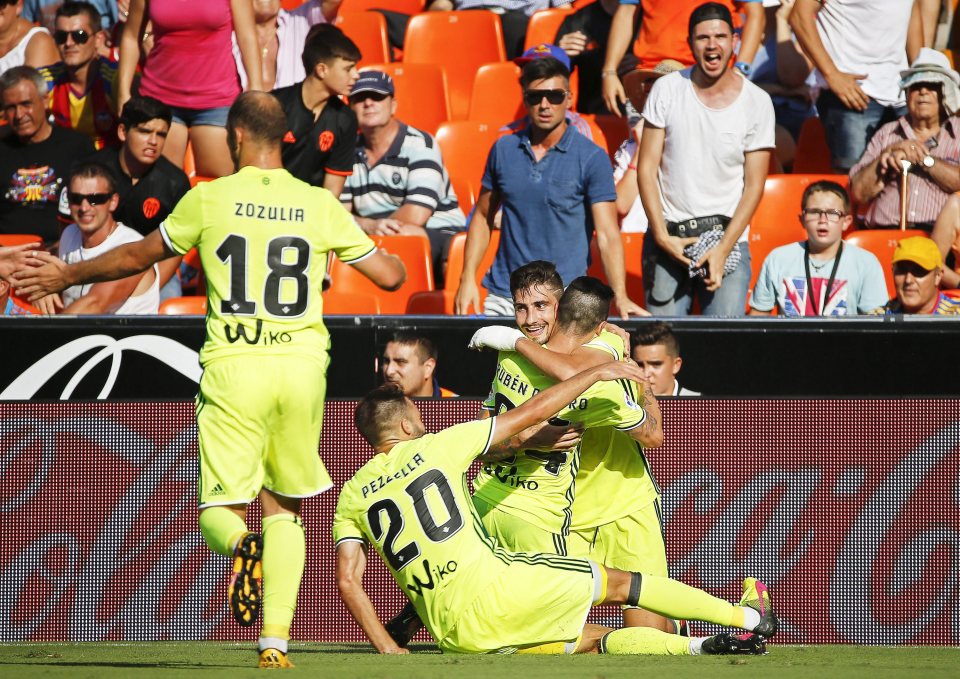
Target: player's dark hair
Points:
(826, 186)
(658, 332)
(584, 306)
(543, 68)
(426, 347)
(140, 109)
(324, 43)
(92, 170)
(72, 9)
(379, 412)
(260, 115)
(14, 76)
(536, 273)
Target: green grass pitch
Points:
(211, 660)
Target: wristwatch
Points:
(928, 161)
(744, 67)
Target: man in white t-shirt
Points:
(708, 133)
(859, 48)
(823, 275)
(92, 195)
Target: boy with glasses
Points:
(821, 276)
(82, 85)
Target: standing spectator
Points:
(44, 12)
(823, 275)
(22, 43)
(92, 195)
(319, 145)
(399, 184)
(928, 136)
(703, 160)
(34, 159)
(410, 361)
(191, 69)
(917, 270)
(583, 36)
(82, 86)
(555, 187)
(656, 350)
(281, 35)
(149, 185)
(859, 48)
(662, 37)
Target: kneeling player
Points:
(411, 502)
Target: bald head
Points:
(260, 116)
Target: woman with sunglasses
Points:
(22, 43)
(191, 69)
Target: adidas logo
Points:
(288, 138)
(217, 490)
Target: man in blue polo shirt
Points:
(555, 187)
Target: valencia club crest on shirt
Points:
(326, 140)
(151, 206)
(288, 138)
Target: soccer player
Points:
(263, 238)
(411, 502)
(616, 515)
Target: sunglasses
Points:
(363, 96)
(534, 97)
(79, 36)
(92, 198)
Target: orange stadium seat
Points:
(402, 6)
(775, 221)
(544, 24)
(496, 93)
(632, 257)
(189, 161)
(813, 154)
(461, 41)
(465, 145)
(421, 91)
(350, 303)
(11, 239)
(184, 306)
(882, 243)
(197, 179)
(369, 31)
(291, 4)
(441, 301)
(415, 253)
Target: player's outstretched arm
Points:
(351, 563)
(550, 401)
(384, 269)
(650, 433)
(48, 274)
(13, 258)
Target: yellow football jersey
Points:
(413, 504)
(263, 238)
(539, 487)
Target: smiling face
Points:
(712, 43)
(25, 111)
(88, 216)
(535, 310)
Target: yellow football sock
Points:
(674, 599)
(284, 557)
(221, 528)
(643, 641)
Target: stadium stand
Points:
(369, 31)
(544, 24)
(441, 301)
(11, 239)
(495, 95)
(349, 303)
(402, 6)
(882, 243)
(813, 154)
(415, 253)
(464, 145)
(421, 93)
(632, 257)
(191, 305)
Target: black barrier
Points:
(150, 358)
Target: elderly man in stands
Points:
(927, 137)
(35, 159)
(399, 185)
(917, 272)
(82, 85)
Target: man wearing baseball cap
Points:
(917, 270)
(399, 184)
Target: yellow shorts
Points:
(258, 425)
(516, 535)
(631, 543)
(539, 599)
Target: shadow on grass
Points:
(141, 665)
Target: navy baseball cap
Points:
(373, 81)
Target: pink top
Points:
(191, 64)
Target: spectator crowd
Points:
(113, 108)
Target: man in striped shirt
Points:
(399, 184)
